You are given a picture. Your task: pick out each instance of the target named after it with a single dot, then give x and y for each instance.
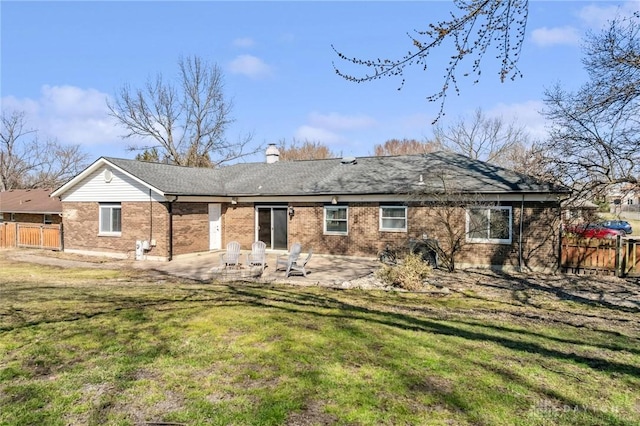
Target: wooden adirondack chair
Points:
(299, 266)
(257, 257)
(232, 256)
(285, 261)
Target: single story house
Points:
(349, 206)
(579, 210)
(30, 206)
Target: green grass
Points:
(94, 347)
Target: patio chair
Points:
(232, 256)
(257, 257)
(299, 266)
(286, 260)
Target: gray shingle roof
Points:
(369, 175)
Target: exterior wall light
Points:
(291, 212)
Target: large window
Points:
(393, 218)
(110, 219)
(489, 225)
(335, 220)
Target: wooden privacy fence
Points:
(620, 257)
(30, 235)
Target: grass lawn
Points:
(96, 347)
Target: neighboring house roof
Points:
(29, 201)
(433, 173)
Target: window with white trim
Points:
(1, 217)
(47, 219)
(393, 218)
(12, 217)
(110, 219)
(489, 224)
(335, 220)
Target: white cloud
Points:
(73, 101)
(70, 114)
(332, 128)
(318, 134)
(566, 35)
(244, 42)
(250, 66)
(335, 121)
(596, 17)
(526, 114)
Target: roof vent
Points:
(349, 160)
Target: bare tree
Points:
(471, 30)
(482, 138)
(405, 147)
(306, 150)
(447, 206)
(27, 162)
(594, 138)
(185, 122)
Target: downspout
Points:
(520, 235)
(150, 217)
(170, 209)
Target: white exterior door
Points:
(215, 233)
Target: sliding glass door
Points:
(271, 227)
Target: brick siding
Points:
(238, 224)
(32, 218)
(191, 230)
(539, 241)
(81, 228)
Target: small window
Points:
(110, 219)
(335, 220)
(12, 217)
(393, 218)
(48, 219)
(1, 217)
(489, 225)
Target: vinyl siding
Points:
(122, 188)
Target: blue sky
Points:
(60, 61)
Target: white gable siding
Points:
(94, 188)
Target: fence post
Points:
(618, 256)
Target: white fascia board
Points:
(370, 198)
(198, 198)
(92, 168)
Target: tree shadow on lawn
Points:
(567, 288)
(293, 303)
(301, 301)
(297, 303)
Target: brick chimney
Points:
(273, 154)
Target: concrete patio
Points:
(324, 270)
